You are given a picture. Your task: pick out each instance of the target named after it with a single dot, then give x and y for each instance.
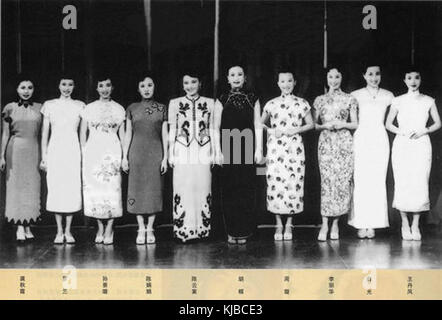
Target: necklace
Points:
(371, 94)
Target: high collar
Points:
(338, 91)
(25, 103)
(193, 99)
(236, 90)
(285, 96)
(413, 93)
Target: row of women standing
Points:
(204, 132)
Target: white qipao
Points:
(411, 158)
(63, 155)
(371, 154)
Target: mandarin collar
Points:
(25, 103)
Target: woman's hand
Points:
(43, 165)
(220, 159)
(163, 168)
(171, 160)
(2, 164)
(125, 165)
(329, 125)
(418, 134)
(338, 125)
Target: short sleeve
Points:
(171, 114)
(163, 109)
(395, 104)
(305, 108)
(121, 114)
(353, 103)
(45, 110)
(6, 113)
(317, 103)
(268, 107)
(129, 112)
(84, 113)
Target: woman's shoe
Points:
(416, 234)
(20, 235)
(109, 239)
(406, 233)
(334, 234)
(278, 233)
(69, 238)
(59, 239)
(28, 233)
(150, 237)
(99, 238)
(141, 237)
(241, 241)
(370, 233)
(288, 235)
(362, 233)
(231, 240)
(322, 236)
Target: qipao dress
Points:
(63, 155)
(102, 160)
(335, 153)
(371, 154)
(190, 124)
(22, 161)
(238, 174)
(285, 156)
(411, 158)
(145, 190)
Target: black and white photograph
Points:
(220, 134)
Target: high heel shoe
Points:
(288, 235)
(69, 238)
(20, 235)
(416, 234)
(109, 240)
(370, 233)
(362, 233)
(406, 233)
(150, 237)
(278, 233)
(322, 236)
(141, 236)
(59, 239)
(28, 233)
(334, 233)
(99, 238)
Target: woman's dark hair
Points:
(192, 73)
(102, 77)
(368, 64)
(285, 69)
(24, 77)
(411, 68)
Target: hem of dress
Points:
(240, 237)
(191, 239)
(334, 215)
(63, 212)
(103, 218)
(285, 213)
(420, 210)
(30, 220)
(145, 213)
(369, 227)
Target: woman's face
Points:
(66, 87)
(413, 80)
(334, 79)
(191, 85)
(236, 77)
(104, 88)
(25, 90)
(373, 76)
(286, 83)
(146, 88)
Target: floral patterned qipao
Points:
(335, 153)
(189, 122)
(102, 160)
(286, 157)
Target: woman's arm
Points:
(172, 134)
(258, 132)
(5, 140)
(434, 127)
(217, 114)
(83, 132)
(164, 138)
(126, 144)
(390, 119)
(44, 142)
